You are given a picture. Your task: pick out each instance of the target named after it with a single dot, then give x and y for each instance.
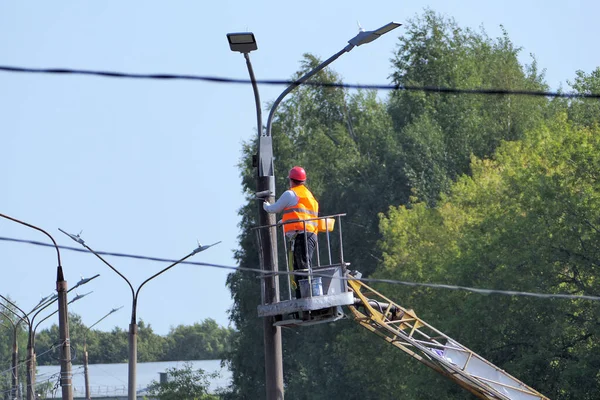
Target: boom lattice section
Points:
(403, 329)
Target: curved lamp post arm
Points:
(79, 240)
(256, 94)
(360, 39)
(300, 81)
(8, 318)
(97, 322)
(38, 229)
(63, 316)
(25, 316)
(102, 319)
(52, 300)
(51, 314)
(197, 250)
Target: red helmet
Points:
(297, 174)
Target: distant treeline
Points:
(200, 341)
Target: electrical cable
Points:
(216, 79)
(21, 362)
(372, 280)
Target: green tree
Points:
(184, 383)
(111, 347)
(151, 347)
(363, 155)
(525, 221)
(585, 111)
(438, 133)
(204, 341)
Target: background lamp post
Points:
(31, 354)
(30, 360)
(15, 347)
(46, 301)
(63, 318)
(133, 328)
(14, 383)
(85, 353)
(244, 43)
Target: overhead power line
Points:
(373, 280)
(216, 79)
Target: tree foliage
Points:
(586, 112)
(184, 383)
(201, 341)
(525, 221)
(414, 152)
(439, 132)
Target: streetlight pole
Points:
(133, 327)
(15, 354)
(30, 361)
(265, 184)
(85, 353)
(31, 354)
(63, 318)
(244, 43)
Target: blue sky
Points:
(150, 167)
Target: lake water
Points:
(111, 379)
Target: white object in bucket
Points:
(317, 287)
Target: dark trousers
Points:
(304, 247)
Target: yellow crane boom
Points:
(403, 329)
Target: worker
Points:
(298, 204)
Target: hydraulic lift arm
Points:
(404, 330)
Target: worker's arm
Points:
(287, 199)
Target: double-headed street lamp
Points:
(63, 318)
(245, 43)
(133, 327)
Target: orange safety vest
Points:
(306, 208)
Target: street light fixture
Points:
(85, 353)
(131, 391)
(266, 188)
(244, 42)
(63, 318)
(368, 36)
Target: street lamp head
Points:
(83, 281)
(368, 36)
(387, 27)
(244, 42)
(114, 310)
(79, 296)
(202, 248)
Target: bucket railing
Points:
(326, 225)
